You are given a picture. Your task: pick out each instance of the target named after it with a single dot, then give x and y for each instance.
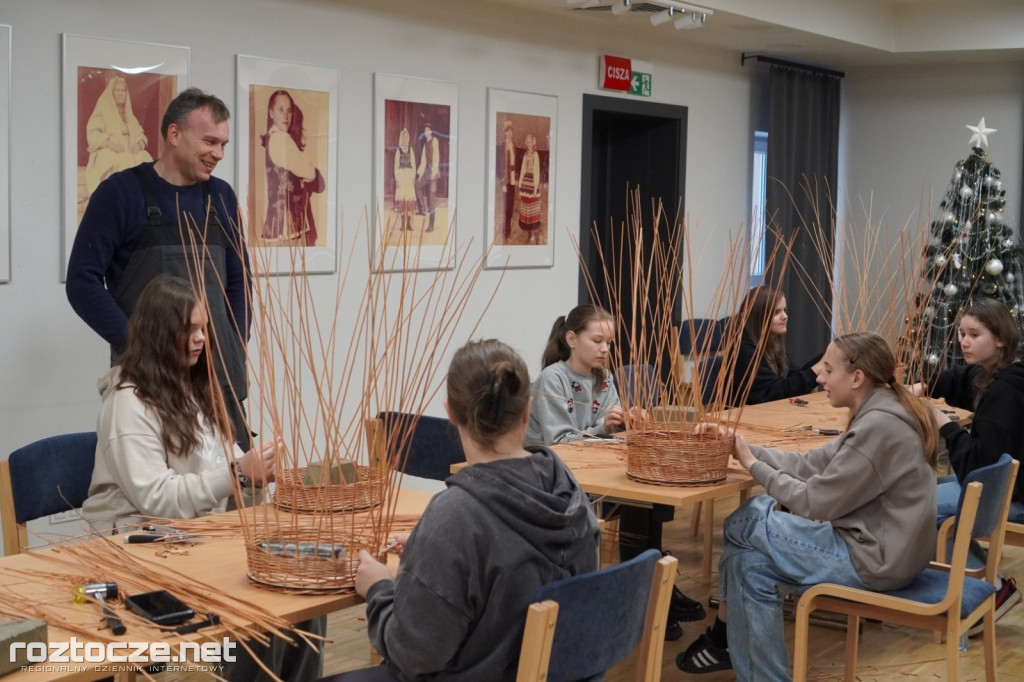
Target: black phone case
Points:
(161, 607)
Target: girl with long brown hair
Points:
(763, 316)
(160, 451)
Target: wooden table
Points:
(218, 562)
(600, 465)
(600, 468)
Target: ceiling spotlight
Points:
(662, 17)
(620, 8)
(691, 20)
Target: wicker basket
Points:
(304, 560)
(677, 457)
(293, 494)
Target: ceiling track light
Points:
(621, 8)
(662, 17)
(691, 20)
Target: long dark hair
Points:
(756, 311)
(576, 321)
(870, 353)
(154, 362)
(995, 317)
(488, 389)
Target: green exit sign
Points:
(640, 84)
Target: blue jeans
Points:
(948, 494)
(766, 549)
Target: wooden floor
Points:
(886, 653)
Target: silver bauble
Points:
(950, 290)
(949, 217)
(994, 267)
(941, 259)
(967, 226)
(933, 359)
(1010, 277)
(958, 262)
(966, 192)
(1007, 243)
(990, 217)
(988, 181)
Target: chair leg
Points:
(952, 651)
(989, 635)
(852, 645)
(709, 536)
(800, 643)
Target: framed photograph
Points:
(5, 153)
(518, 227)
(113, 97)
(415, 150)
(287, 132)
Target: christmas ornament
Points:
(994, 267)
(950, 290)
(941, 260)
(1010, 277)
(933, 359)
(966, 192)
(958, 262)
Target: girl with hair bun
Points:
(862, 512)
(515, 519)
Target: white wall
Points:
(50, 359)
(903, 131)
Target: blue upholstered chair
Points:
(432, 442)
(584, 625)
(638, 385)
(943, 597)
(700, 336)
(45, 477)
(708, 373)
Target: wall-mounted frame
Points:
(5, 153)
(113, 97)
(414, 181)
(518, 226)
(287, 131)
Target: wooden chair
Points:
(942, 598)
(584, 625)
(431, 444)
(1014, 535)
(46, 477)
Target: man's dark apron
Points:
(168, 248)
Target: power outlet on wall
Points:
(63, 517)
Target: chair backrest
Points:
(584, 625)
(708, 373)
(46, 477)
(638, 385)
(993, 507)
(700, 336)
(432, 442)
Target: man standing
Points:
(170, 216)
(507, 168)
(428, 173)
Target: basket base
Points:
(674, 484)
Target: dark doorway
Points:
(634, 144)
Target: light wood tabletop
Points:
(218, 563)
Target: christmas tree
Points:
(972, 253)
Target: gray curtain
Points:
(803, 160)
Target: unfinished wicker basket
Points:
(677, 457)
(305, 559)
(292, 493)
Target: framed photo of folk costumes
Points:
(519, 223)
(113, 97)
(5, 153)
(286, 127)
(415, 150)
